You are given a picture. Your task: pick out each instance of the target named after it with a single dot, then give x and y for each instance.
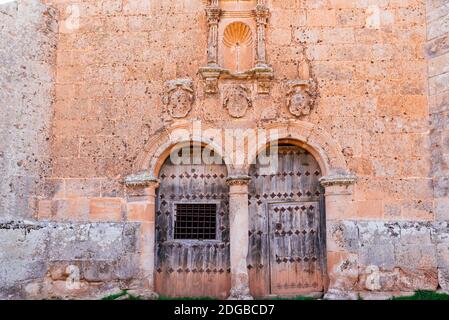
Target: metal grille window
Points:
(195, 221)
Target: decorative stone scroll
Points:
(301, 97)
(179, 97)
(237, 100)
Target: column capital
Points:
(338, 180)
(213, 14)
(142, 179)
(238, 180)
(262, 14)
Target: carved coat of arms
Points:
(237, 100)
(179, 97)
(301, 97)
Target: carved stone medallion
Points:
(237, 100)
(179, 97)
(301, 97)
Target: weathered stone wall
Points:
(36, 259)
(44, 260)
(367, 57)
(437, 53)
(381, 256)
(28, 35)
(112, 60)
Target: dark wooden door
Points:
(286, 254)
(198, 266)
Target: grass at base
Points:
(424, 295)
(115, 296)
(419, 295)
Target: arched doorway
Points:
(287, 226)
(192, 227)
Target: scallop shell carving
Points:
(237, 33)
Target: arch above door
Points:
(311, 137)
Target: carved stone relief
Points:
(237, 44)
(237, 100)
(301, 97)
(179, 97)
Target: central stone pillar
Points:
(239, 226)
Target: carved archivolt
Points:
(237, 100)
(179, 97)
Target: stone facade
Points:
(93, 89)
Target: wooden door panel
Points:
(192, 268)
(295, 253)
(295, 182)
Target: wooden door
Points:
(198, 266)
(295, 248)
(286, 253)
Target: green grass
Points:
(419, 295)
(115, 296)
(424, 295)
(121, 294)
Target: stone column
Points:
(142, 208)
(213, 16)
(239, 226)
(262, 14)
(342, 263)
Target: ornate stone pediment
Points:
(179, 97)
(301, 97)
(237, 100)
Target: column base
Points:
(336, 294)
(238, 294)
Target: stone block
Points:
(415, 233)
(82, 188)
(75, 209)
(105, 209)
(342, 270)
(380, 255)
(415, 256)
(97, 270)
(442, 252)
(440, 232)
(342, 236)
(127, 267)
(141, 211)
(418, 279)
(376, 279)
(441, 186)
(443, 279)
(378, 232)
